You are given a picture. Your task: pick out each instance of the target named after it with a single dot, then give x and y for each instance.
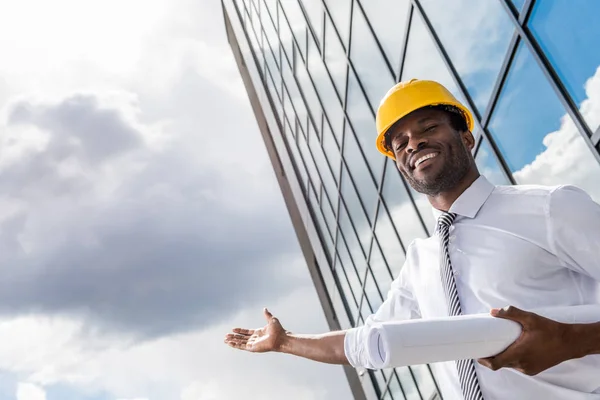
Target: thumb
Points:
(512, 313)
(268, 314)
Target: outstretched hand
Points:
(261, 340)
(543, 343)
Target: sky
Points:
(140, 217)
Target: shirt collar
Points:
(471, 200)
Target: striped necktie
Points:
(466, 368)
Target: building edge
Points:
(291, 202)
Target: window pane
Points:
(423, 60)
(569, 35)
(268, 20)
(297, 22)
(407, 382)
(308, 91)
(340, 12)
(396, 391)
(388, 19)
(350, 292)
(488, 165)
(363, 124)
(361, 224)
(296, 155)
(424, 380)
(401, 209)
(335, 58)
(518, 4)
(536, 137)
(368, 60)
(326, 92)
(382, 275)
(298, 103)
(314, 9)
(352, 243)
(388, 240)
(324, 171)
(352, 274)
(372, 293)
(308, 161)
(332, 152)
(329, 214)
(380, 379)
(476, 57)
(360, 173)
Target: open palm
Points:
(261, 340)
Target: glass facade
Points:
(527, 69)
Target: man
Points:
(517, 247)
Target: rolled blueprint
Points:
(421, 341)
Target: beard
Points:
(458, 163)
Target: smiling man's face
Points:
(431, 153)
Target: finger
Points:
(268, 314)
(512, 313)
(241, 331)
(238, 344)
(231, 336)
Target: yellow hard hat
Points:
(406, 97)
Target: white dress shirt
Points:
(526, 246)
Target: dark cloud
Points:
(175, 245)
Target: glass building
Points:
(315, 71)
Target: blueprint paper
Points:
(421, 341)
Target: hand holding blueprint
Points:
(421, 341)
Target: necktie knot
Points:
(445, 220)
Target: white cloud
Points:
(191, 366)
(567, 159)
(29, 391)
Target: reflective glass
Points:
(408, 384)
(297, 101)
(347, 292)
(538, 140)
(423, 60)
(488, 165)
(308, 90)
(324, 171)
(329, 214)
(320, 222)
(518, 4)
(285, 35)
(271, 6)
(354, 208)
(268, 19)
(388, 240)
(314, 9)
(402, 211)
(396, 390)
(380, 379)
(274, 95)
(424, 380)
(388, 19)
(296, 156)
(360, 173)
(332, 152)
(340, 13)
(308, 161)
(297, 22)
(476, 57)
(331, 102)
(382, 275)
(352, 275)
(352, 243)
(569, 34)
(335, 58)
(368, 61)
(363, 123)
(372, 292)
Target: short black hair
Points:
(458, 120)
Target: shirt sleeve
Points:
(399, 304)
(574, 230)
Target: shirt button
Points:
(452, 237)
